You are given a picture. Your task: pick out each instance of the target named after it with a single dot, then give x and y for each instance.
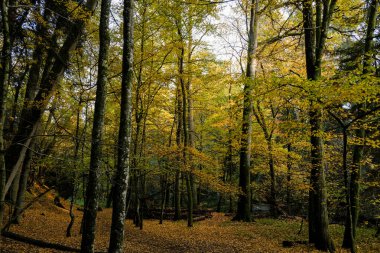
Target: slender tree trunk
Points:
(124, 139)
(229, 152)
(22, 186)
(13, 123)
(75, 172)
(139, 111)
(136, 219)
(190, 112)
(354, 187)
(185, 126)
(288, 178)
(164, 185)
(4, 76)
(142, 201)
(273, 192)
(348, 225)
(91, 201)
(84, 176)
(220, 196)
(177, 194)
(244, 202)
(109, 197)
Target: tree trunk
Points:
(288, 178)
(136, 179)
(91, 201)
(124, 139)
(75, 172)
(142, 201)
(22, 186)
(13, 123)
(177, 193)
(244, 203)
(164, 184)
(273, 193)
(185, 126)
(4, 76)
(315, 37)
(354, 187)
(230, 164)
(348, 233)
(109, 197)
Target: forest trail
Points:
(44, 221)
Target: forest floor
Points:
(47, 222)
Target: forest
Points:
(190, 126)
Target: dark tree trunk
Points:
(109, 197)
(288, 178)
(4, 75)
(268, 133)
(142, 201)
(354, 187)
(135, 180)
(92, 190)
(185, 126)
(74, 174)
(13, 123)
(124, 139)
(230, 165)
(244, 203)
(273, 192)
(72, 216)
(315, 37)
(164, 192)
(177, 192)
(348, 235)
(22, 186)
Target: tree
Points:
(244, 203)
(354, 186)
(91, 201)
(4, 75)
(315, 38)
(124, 139)
(268, 130)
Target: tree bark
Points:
(244, 203)
(177, 194)
(315, 37)
(124, 139)
(185, 127)
(75, 172)
(22, 185)
(348, 238)
(273, 191)
(354, 186)
(4, 76)
(164, 192)
(91, 201)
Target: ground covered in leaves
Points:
(46, 222)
